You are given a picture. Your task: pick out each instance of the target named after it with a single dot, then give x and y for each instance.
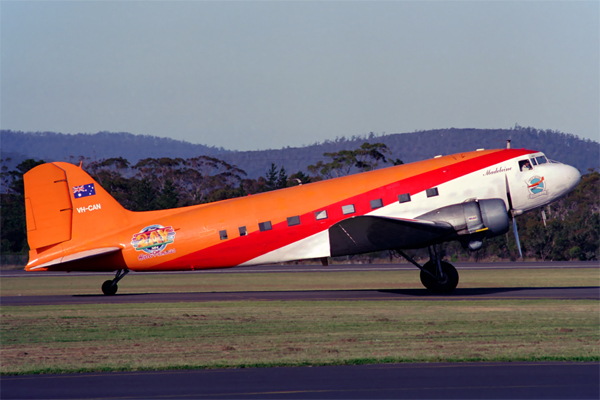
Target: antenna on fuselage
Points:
(507, 142)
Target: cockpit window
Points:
(525, 165)
(533, 161)
(541, 160)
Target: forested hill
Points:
(52, 146)
(409, 147)
(415, 146)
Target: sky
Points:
(252, 75)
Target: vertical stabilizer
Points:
(67, 210)
(48, 206)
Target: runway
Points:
(544, 380)
(300, 268)
(588, 292)
(562, 293)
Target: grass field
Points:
(38, 339)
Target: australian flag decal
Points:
(84, 190)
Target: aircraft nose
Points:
(571, 176)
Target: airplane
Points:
(73, 224)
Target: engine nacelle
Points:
(473, 220)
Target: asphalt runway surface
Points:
(319, 268)
(544, 380)
(562, 293)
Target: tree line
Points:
(410, 147)
(570, 231)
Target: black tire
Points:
(446, 285)
(108, 288)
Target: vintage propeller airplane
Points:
(73, 224)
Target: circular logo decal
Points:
(153, 239)
(536, 185)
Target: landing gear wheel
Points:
(109, 289)
(446, 283)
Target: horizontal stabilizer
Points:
(372, 233)
(77, 256)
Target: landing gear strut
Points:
(436, 275)
(109, 288)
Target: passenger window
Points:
(321, 215)
(377, 203)
(265, 226)
(524, 165)
(243, 231)
(432, 192)
(293, 220)
(349, 209)
(223, 235)
(541, 160)
(404, 198)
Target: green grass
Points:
(240, 334)
(38, 284)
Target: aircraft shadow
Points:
(117, 295)
(460, 292)
(481, 291)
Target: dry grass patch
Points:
(155, 336)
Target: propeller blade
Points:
(516, 231)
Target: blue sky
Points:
(256, 75)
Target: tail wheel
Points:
(108, 288)
(446, 283)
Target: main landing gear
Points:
(109, 288)
(436, 275)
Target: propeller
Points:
(516, 231)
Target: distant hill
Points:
(409, 147)
(60, 147)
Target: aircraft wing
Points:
(365, 234)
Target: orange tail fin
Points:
(66, 208)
